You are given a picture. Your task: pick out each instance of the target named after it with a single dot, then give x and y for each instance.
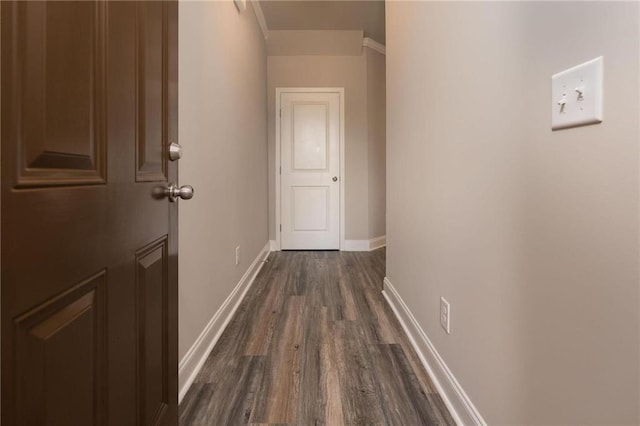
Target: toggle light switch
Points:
(585, 107)
(562, 102)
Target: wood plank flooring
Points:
(314, 342)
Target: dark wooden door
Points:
(89, 245)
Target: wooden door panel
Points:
(59, 99)
(81, 168)
(56, 249)
(60, 358)
(152, 331)
(152, 49)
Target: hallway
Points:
(296, 212)
(314, 342)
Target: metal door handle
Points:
(335, 178)
(175, 151)
(174, 192)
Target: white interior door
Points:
(310, 179)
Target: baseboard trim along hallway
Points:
(195, 357)
(455, 398)
(365, 245)
(351, 245)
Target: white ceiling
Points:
(363, 15)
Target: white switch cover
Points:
(576, 95)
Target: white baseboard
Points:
(372, 44)
(195, 357)
(364, 245)
(460, 406)
(376, 243)
(356, 245)
(350, 245)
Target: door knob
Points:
(175, 151)
(335, 178)
(174, 192)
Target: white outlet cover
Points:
(576, 95)
(445, 315)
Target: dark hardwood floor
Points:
(314, 342)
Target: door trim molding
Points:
(340, 92)
(463, 411)
(194, 359)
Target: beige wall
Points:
(531, 235)
(376, 133)
(349, 72)
(314, 43)
(223, 132)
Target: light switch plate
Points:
(576, 95)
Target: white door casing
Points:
(310, 128)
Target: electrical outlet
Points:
(445, 315)
(238, 255)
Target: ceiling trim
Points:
(372, 44)
(260, 17)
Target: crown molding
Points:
(260, 17)
(372, 44)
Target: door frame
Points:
(341, 142)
